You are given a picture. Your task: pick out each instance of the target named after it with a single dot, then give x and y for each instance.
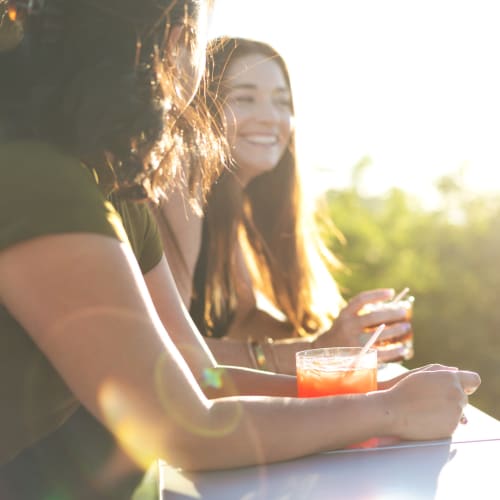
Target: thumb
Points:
(470, 381)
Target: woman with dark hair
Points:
(262, 287)
(93, 122)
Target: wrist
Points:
(384, 413)
(262, 354)
(315, 342)
(268, 346)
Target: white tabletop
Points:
(465, 466)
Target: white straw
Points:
(401, 294)
(375, 335)
(372, 339)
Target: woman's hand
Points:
(428, 403)
(387, 384)
(348, 328)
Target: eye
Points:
(283, 102)
(282, 99)
(242, 99)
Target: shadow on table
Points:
(390, 473)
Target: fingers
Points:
(358, 335)
(393, 331)
(434, 367)
(352, 329)
(386, 315)
(463, 384)
(368, 296)
(469, 381)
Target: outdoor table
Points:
(465, 466)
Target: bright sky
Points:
(414, 85)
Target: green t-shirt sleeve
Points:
(142, 230)
(43, 191)
(153, 248)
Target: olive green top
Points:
(44, 191)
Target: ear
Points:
(173, 42)
(11, 32)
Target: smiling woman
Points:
(255, 235)
(258, 112)
(256, 273)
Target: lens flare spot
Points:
(212, 377)
(182, 414)
(121, 413)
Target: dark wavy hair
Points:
(279, 238)
(92, 77)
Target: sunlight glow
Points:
(140, 443)
(412, 86)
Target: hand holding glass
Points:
(397, 348)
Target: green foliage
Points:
(449, 257)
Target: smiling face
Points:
(258, 111)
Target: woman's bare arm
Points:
(180, 229)
(216, 380)
(82, 299)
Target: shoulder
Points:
(45, 191)
(30, 167)
(38, 173)
(180, 227)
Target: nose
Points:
(268, 112)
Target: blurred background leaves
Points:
(448, 256)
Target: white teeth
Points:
(262, 139)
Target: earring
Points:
(11, 28)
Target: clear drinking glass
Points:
(396, 349)
(335, 370)
(331, 371)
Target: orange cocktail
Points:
(335, 370)
(312, 384)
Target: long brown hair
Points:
(269, 214)
(92, 77)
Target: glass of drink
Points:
(331, 371)
(395, 349)
(335, 370)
